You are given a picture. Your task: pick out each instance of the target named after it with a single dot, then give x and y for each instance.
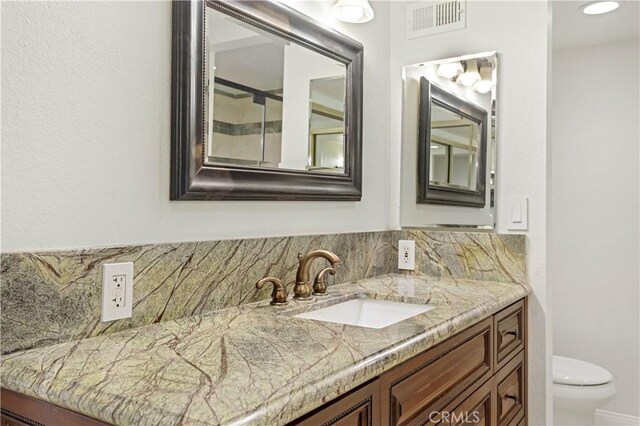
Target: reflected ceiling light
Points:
(450, 69)
(353, 11)
(471, 74)
(485, 84)
(600, 7)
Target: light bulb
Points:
(600, 7)
(471, 75)
(485, 84)
(450, 69)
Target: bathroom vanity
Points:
(463, 360)
(476, 377)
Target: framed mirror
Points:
(452, 149)
(266, 104)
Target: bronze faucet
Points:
(320, 283)
(302, 288)
(279, 294)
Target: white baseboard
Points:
(610, 418)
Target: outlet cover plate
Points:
(117, 291)
(406, 255)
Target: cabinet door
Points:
(358, 408)
(479, 409)
(10, 421)
(432, 381)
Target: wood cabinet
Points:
(477, 377)
(21, 410)
(360, 407)
(429, 382)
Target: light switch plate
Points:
(117, 291)
(518, 214)
(406, 255)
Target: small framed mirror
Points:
(452, 148)
(266, 105)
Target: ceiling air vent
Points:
(433, 17)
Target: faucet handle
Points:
(279, 294)
(320, 283)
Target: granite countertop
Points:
(253, 364)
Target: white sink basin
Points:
(366, 312)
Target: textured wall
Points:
(86, 114)
(51, 297)
(595, 274)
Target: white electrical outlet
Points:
(407, 255)
(117, 291)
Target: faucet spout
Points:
(302, 289)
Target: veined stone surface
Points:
(53, 297)
(254, 364)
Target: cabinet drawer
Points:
(478, 409)
(360, 407)
(428, 382)
(510, 392)
(510, 333)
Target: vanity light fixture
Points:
(450, 69)
(485, 84)
(600, 7)
(353, 11)
(471, 75)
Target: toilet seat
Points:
(574, 372)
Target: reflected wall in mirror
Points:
(449, 142)
(267, 104)
(261, 90)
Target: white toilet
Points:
(579, 388)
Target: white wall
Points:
(518, 31)
(594, 232)
(86, 141)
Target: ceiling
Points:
(572, 28)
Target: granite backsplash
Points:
(52, 297)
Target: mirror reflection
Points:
(454, 148)
(270, 102)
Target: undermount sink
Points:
(366, 312)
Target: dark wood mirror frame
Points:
(191, 178)
(429, 193)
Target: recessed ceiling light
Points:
(600, 7)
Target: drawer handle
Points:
(510, 332)
(514, 397)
